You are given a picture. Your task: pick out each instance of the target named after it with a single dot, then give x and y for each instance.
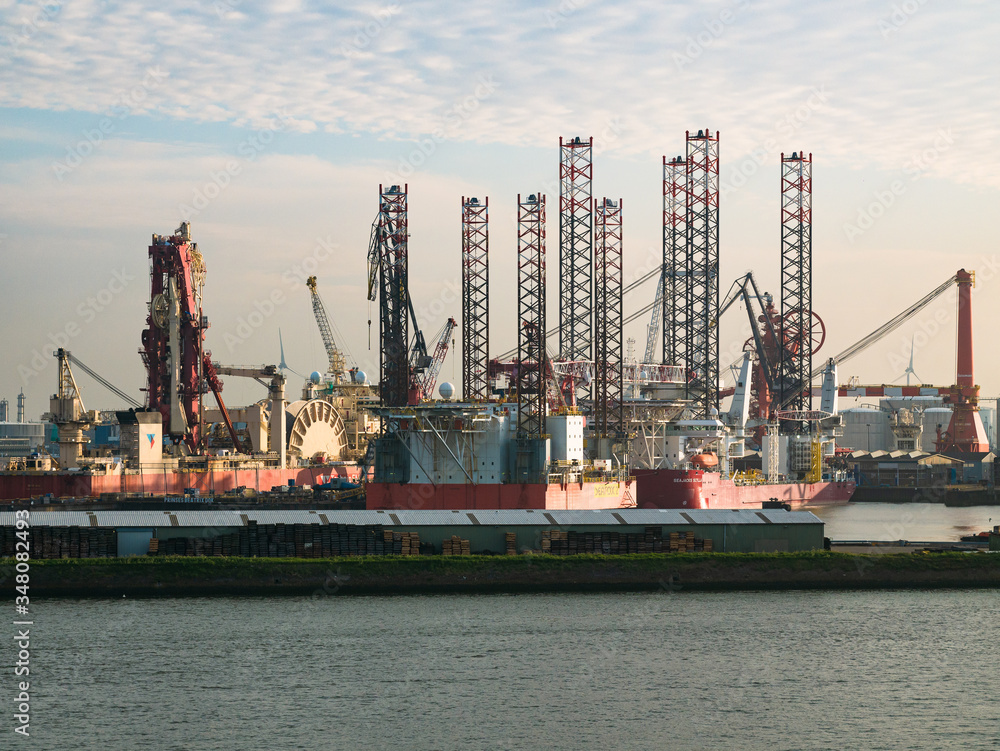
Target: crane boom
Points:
(337, 364)
(653, 329)
(428, 379)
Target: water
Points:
(905, 521)
(790, 670)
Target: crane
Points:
(337, 364)
(418, 360)
(654, 324)
(428, 380)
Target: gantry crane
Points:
(337, 364)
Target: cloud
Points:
(394, 70)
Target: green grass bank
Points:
(191, 576)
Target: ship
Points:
(175, 443)
(453, 455)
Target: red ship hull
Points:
(23, 485)
(695, 489)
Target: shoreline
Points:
(391, 575)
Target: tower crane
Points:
(337, 366)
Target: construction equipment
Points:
(653, 329)
(402, 362)
(70, 417)
(337, 364)
(429, 378)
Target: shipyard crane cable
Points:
(891, 325)
(104, 382)
(629, 288)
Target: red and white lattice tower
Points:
(702, 263)
(796, 328)
(576, 172)
(475, 299)
(674, 277)
(608, 371)
(530, 377)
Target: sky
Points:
(270, 126)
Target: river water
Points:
(925, 522)
(670, 670)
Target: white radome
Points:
(316, 377)
(447, 390)
(361, 377)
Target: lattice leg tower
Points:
(475, 299)
(702, 333)
(531, 315)
(796, 282)
(675, 277)
(393, 297)
(608, 365)
(576, 172)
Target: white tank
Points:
(931, 419)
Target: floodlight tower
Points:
(702, 263)
(608, 371)
(475, 299)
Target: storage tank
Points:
(932, 418)
(866, 429)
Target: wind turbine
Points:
(283, 366)
(909, 368)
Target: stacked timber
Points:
(686, 542)
(401, 543)
(510, 542)
(456, 546)
(61, 542)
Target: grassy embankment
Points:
(166, 576)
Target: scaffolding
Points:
(394, 297)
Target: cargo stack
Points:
(510, 540)
(456, 546)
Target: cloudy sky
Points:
(271, 125)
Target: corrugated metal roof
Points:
(779, 516)
(518, 517)
(652, 516)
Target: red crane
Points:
(428, 379)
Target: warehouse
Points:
(521, 531)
